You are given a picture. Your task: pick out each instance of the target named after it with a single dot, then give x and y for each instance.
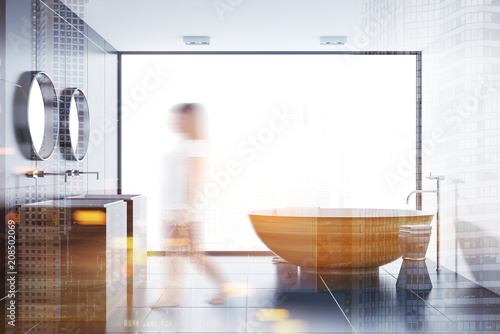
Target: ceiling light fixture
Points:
(332, 40)
(196, 40)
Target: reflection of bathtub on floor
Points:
(335, 238)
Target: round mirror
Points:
(42, 115)
(79, 124)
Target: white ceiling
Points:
(233, 25)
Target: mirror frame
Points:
(51, 125)
(80, 151)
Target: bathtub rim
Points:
(359, 212)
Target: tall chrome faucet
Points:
(419, 191)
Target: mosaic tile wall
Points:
(49, 36)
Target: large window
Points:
(327, 130)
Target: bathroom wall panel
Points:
(3, 230)
(66, 53)
(46, 36)
(461, 113)
(72, 62)
(110, 176)
(96, 86)
(18, 39)
(18, 61)
(111, 123)
(2, 103)
(102, 81)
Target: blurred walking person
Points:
(184, 180)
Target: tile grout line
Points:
(141, 325)
(426, 302)
(29, 330)
(246, 298)
(341, 310)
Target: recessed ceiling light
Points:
(332, 40)
(196, 40)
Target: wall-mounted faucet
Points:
(76, 172)
(436, 191)
(35, 174)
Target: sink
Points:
(136, 233)
(75, 250)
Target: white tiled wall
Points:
(460, 44)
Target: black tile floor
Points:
(279, 298)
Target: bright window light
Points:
(327, 130)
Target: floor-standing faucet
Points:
(437, 178)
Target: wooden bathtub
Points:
(330, 238)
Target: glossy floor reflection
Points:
(400, 297)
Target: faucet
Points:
(436, 191)
(35, 174)
(419, 192)
(76, 172)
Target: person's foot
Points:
(171, 303)
(218, 299)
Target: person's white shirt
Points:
(175, 170)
